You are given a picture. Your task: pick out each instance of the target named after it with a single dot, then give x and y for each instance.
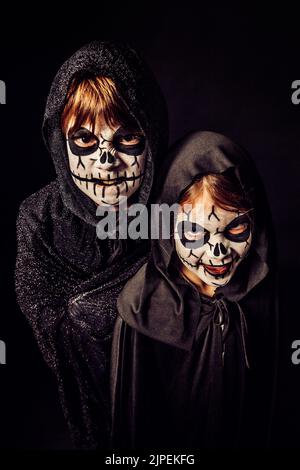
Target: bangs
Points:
(93, 101)
(224, 190)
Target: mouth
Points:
(109, 181)
(219, 269)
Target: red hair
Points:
(90, 100)
(224, 190)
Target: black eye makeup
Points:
(239, 229)
(192, 234)
(83, 142)
(131, 142)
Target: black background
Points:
(223, 69)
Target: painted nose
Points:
(106, 161)
(219, 249)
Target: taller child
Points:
(105, 126)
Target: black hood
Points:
(142, 97)
(140, 303)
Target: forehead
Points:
(207, 213)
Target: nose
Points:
(106, 161)
(219, 249)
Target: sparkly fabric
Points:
(67, 281)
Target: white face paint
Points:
(109, 164)
(211, 242)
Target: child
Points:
(194, 347)
(105, 126)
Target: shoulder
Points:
(138, 290)
(41, 205)
(132, 291)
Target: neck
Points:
(202, 287)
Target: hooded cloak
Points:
(172, 386)
(67, 280)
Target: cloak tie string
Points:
(221, 318)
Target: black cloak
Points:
(67, 280)
(170, 386)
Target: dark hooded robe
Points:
(189, 370)
(67, 280)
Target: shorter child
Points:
(194, 347)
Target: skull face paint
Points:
(108, 164)
(211, 242)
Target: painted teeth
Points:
(109, 181)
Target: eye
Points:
(193, 231)
(239, 229)
(84, 138)
(130, 139)
(85, 141)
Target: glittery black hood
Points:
(140, 93)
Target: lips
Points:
(109, 181)
(112, 182)
(218, 270)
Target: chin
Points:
(107, 203)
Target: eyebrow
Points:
(231, 222)
(73, 133)
(240, 218)
(122, 130)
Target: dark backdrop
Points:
(220, 69)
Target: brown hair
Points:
(90, 99)
(224, 190)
